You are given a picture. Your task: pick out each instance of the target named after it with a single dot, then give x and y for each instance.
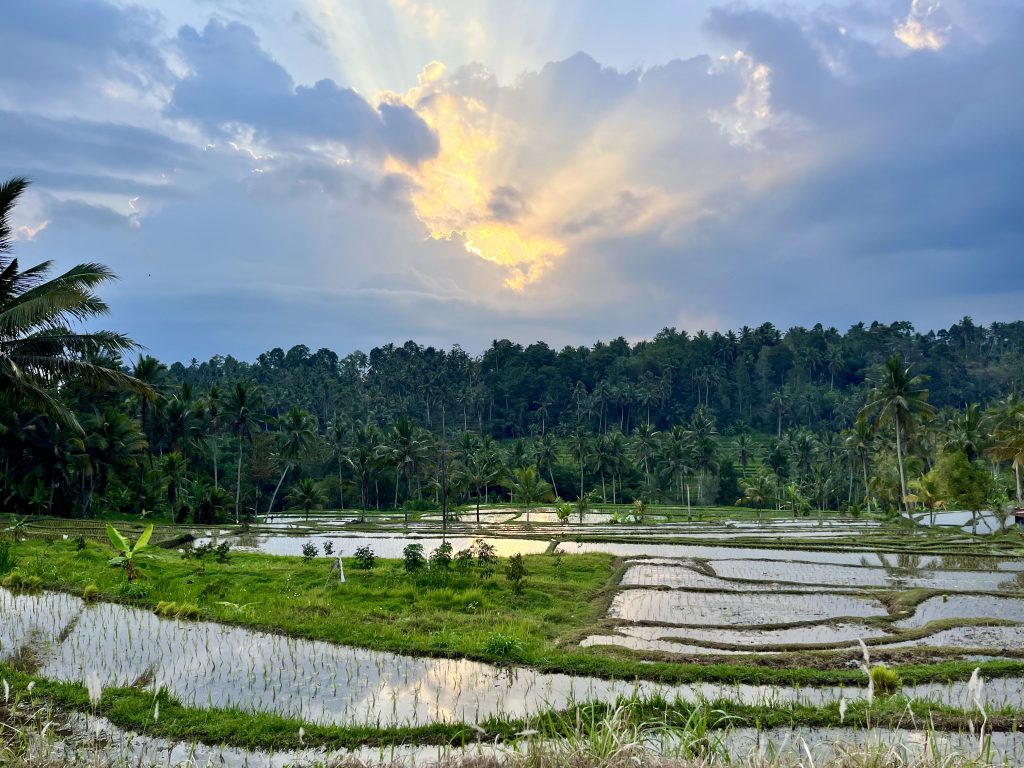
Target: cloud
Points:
(56, 47)
(922, 29)
(232, 81)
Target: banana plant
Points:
(128, 552)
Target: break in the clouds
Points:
(268, 177)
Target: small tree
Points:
(412, 558)
(441, 557)
(966, 484)
(464, 561)
(515, 572)
(365, 559)
(128, 552)
(486, 557)
(639, 510)
(309, 551)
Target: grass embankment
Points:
(453, 616)
(134, 710)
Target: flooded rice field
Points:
(723, 610)
(95, 741)
(205, 664)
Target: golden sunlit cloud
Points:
(453, 189)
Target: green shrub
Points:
(420, 505)
(223, 552)
(503, 646)
(309, 551)
(886, 681)
(365, 559)
(441, 557)
(464, 561)
(412, 558)
(515, 572)
(90, 592)
(486, 557)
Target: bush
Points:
(328, 548)
(486, 557)
(199, 552)
(309, 551)
(886, 681)
(90, 592)
(464, 561)
(365, 559)
(222, 552)
(559, 566)
(515, 572)
(441, 557)
(412, 558)
(503, 646)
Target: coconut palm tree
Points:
(39, 350)
(546, 455)
(745, 448)
(528, 489)
(900, 399)
(241, 409)
(297, 435)
(306, 495)
(758, 493)
(1008, 438)
(645, 443)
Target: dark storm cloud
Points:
(233, 80)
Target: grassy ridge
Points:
(134, 710)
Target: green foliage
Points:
(16, 581)
(486, 556)
(515, 572)
(502, 646)
(7, 558)
(412, 558)
(90, 592)
(420, 505)
(173, 610)
(962, 483)
(886, 681)
(309, 552)
(365, 559)
(464, 561)
(328, 548)
(441, 558)
(128, 553)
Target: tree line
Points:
(878, 416)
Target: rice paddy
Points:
(763, 618)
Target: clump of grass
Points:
(503, 646)
(16, 581)
(90, 593)
(886, 681)
(7, 558)
(173, 610)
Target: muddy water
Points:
(965, 607)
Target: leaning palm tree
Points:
(900, 399)
(297, 436)
(39, 349)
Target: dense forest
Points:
(880, 415)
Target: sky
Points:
(345, 174)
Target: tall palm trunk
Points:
(899, 461)
(238, 479)
(277, 487)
